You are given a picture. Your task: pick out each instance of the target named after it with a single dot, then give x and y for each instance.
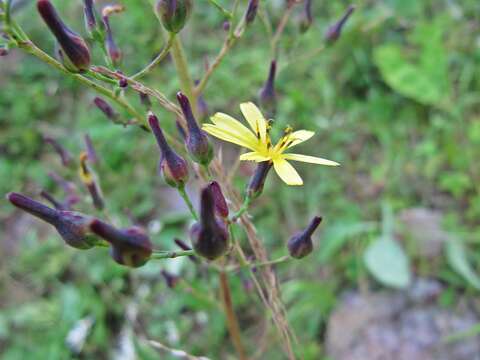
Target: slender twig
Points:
(232, 321)
(243, 209)
(157, 59)
(281, 26)
(187, 200)
(181, 65)
(171, 254)
(224, 11)
(258, 264)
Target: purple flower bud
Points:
(92, 154)
(73, 227)
(300, 245)
(335, 30)
(170, 279)
(91, 183)
(183, 245)
(257, 181)
(306, 18)
(173, 14)
(209, 236)
(198, 145)
(221, 206)
(267, 94)
(75, 49)
(65, 156)
(130, 246)
(105, 108)
(226, 25)
(251, 12)
(173, 166)
(113, 50)
(89, 14)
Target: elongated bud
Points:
(197, 142)
(105, 108)
(173, 167)
(300, 245)
(251, 12)
(90, 18)
(267, 95)
(92, 154)
(209, 236)
(335, 30)
(257, 181)
(183, 245)
(173, 14)
(130, 247)
(72, 226)
(306, 18)
(91, 182)
(64, 154)
(170, 279)
(221, 206)
(74, 48)
(113, 50)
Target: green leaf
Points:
(388, 263)
(457, 258)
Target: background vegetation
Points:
(395, 101)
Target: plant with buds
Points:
(267, 97)
(300, 245)
(335, 30)
(173, 14)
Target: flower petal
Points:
(234, 126)
(255, 119)
(227, 136)
(299, 136)
(310, 159)
(253, 156)
(287, 172)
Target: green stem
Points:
(181, 65)
(186, 198)
(157, 59)
(259, 264)
(243, 209)
(172, 254)
(224, 11)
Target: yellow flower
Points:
(258, 141)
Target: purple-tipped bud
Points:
(173, 14)
(73, 227)
(105, 108)
(257, 181)
(300, 245)
(145, 100)
(209, 236)
(335, 30)
(92, 154)
(64, 154)
(183, 245)
(89, 15)
(173, 167)
(74, 48)
(221, 206)
(91, 182)
(252, 10)
(197, 142)
(170, 279)
(113, 50)
(306, 17)
(130, 246)
(267, 94)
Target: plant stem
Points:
(181, 65)
(157, 59)
(186, 198)
(172, 254)
(281, 27)
(232, 322)
(243, 209)
(259, 264)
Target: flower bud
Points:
(92, 154)
(173, 14)
(89, 15)
(251, 12)
(300, 245)
(221, 206)
(72, 226)
(65, 156)
(173, 166)
(74, 49)
(335, 30)
(306, 18)
(113, 50)
(209, 236)
(130, 246)
(267, 93)
(91, 182)
(226, 26)
(182, 245)
(198, 145)
(105, 108)
(170, 279)
(257, 181)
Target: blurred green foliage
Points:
(395, 101)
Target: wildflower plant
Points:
(187, 159)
